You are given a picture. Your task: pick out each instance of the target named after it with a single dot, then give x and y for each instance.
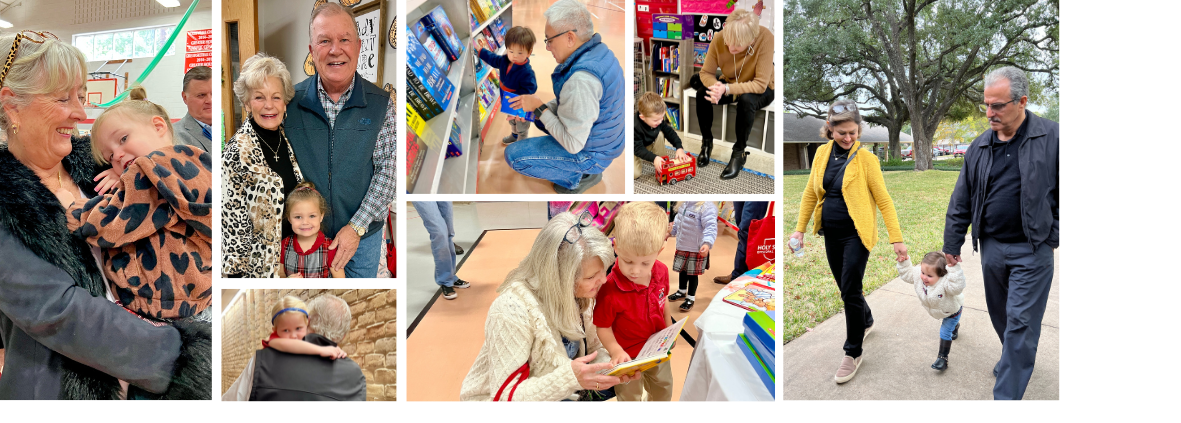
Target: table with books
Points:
(734, 359)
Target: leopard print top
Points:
(252, 207)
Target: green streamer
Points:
(159, 55)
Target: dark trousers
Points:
(748, 107)
(847, 259)
(746, 211)
(1016, 288)
(690, 280)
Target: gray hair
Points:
(332, 9)
(39, 69)
(1018, 83)
(330, 317)
(255, 72)
(570, 15)
(200, 73)
(553, 267)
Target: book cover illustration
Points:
(754, 296)
(506, 107)
(656, 351)
(440, 27)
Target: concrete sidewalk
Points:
(904, 343)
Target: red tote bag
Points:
(760, 240)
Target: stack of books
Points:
(668, 58)
(672, 115)
(669, 87)
(758, 345)
(432, 48)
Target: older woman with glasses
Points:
(64, 338)
(743, 52)
(539, 338)
(843, 190)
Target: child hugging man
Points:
(516, 75)
(630, 306)
(650, 109)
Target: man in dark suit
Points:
(276, 376)
(196, 128)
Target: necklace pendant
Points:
(276, 157)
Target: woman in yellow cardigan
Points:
(844, 187)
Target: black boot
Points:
(737, 160)
(955, 333)
(707, 148)
(941, 362)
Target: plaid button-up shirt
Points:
(382, 190)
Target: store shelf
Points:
(456, 169)
(436, 133)
(492, 18)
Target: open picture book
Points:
(655, 352)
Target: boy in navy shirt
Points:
(516, 76)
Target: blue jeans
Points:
(949, 324)
(436, 216)
(746, 211)
(543, 158)
(366, 260)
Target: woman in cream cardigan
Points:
(844, 188)
(536, 343)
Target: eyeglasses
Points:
(41, 36)
(547, 40)
(842, 108)
(575, 232)
(995, 106)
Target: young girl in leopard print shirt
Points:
(152, 219)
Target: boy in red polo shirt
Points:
(630, 306)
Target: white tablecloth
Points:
(718, 370)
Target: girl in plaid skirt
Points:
(305, 254)
(696, 227)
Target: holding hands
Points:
(952, 259)
(900, 250)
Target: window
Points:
(124, 43)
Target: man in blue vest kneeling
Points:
(584, 125)
(342, 129)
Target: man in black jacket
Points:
(1008, 192)
(277, 376)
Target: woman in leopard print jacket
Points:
(258, 171)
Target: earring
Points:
(16, 129)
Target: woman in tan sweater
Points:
(536, 343)
(743, 53)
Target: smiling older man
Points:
(584, 125)
(342, 129)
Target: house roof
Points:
(806, 129)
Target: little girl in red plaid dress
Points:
(305, 254)
(696, 228)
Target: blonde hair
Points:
(851, 114)
(288, 302)
(141, 110)
(640, 228)
(305, 191)
(552, 269)
(650, 104)
(255, 72)
(39, 69)
(741, 28)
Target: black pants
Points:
(748, 107)
(690, 280)
(847, 259)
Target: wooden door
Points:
(239, 42)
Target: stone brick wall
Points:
(372, 341)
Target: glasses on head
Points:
(995, 106)
(547, 40)
(575, 232)
(842, 108)
(37, 37)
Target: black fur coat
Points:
(32, 213)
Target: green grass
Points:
(810, 293)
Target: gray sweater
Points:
(570, 123)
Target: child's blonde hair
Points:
(640, 228)
(289, 304)
(305, 191)
(650, 104)
(137, 108)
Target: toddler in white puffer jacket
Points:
(940, 289)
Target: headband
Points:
(16, 43)
(276, 316)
